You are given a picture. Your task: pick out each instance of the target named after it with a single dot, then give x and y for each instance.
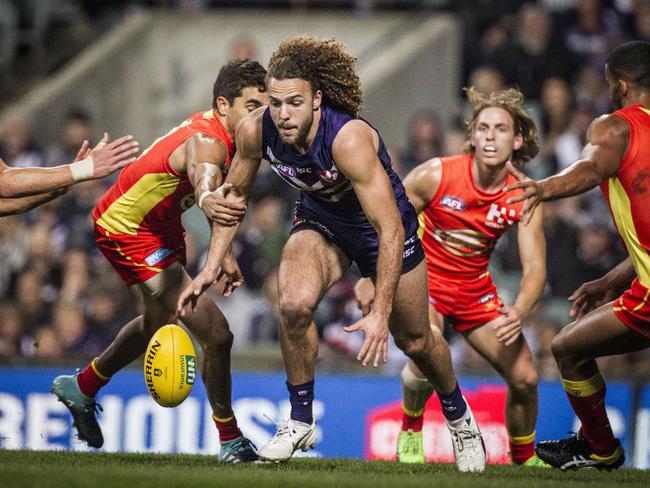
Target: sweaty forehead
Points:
(494, 116)
(288, 87)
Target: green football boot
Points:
(239, 450)
(535, 462)
(410, 447)
(82, 408)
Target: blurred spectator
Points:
(47, 346)
(486, 80)
(75, 337)
(77, 128)
(266, 320)
(13, 250)
(642, 20)
(29, 300)
(424, 139)
(17, 148)
(534, 54)
(243, 47)
(590, 31)
(258, 246)
(569, 143)
(11, 331)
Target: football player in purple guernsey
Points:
(352, 207)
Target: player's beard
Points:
(303, 131)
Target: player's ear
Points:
(519, 141)
(625, 86)
(223, 106)
(318, 99)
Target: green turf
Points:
(37, 469)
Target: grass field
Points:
(35, 469)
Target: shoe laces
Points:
(241, 445)
(93, 408)
(463, 435)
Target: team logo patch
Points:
(453, 203)
(487, 298)
(157, 256)
(328, 176)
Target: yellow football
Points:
(170, 366)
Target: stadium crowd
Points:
(60, 299)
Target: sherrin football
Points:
(170, 366)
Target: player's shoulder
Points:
(248, 133)
(608, 127)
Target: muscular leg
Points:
(310, 266)
(416, 389)
(599, 333)
(410, 327)
(515, 364)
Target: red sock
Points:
(90, 380)
(587, 398)
(522, 448)
(412, 422)
(227, 428)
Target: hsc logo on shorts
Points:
(452, 203)
(157, 256)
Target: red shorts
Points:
(466, 304)
(633, 308)
(140, 257)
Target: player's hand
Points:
(231, 274)
(190, 295)
(84, 151)
(219, 210)
(508, 326)
(533, 193)
(109, 157)
(589, 296)
(375, 343)
(364, 292)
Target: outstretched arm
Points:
(608, 138)
(240, 179)
(104, 159)
(13, 206)
(421, 185)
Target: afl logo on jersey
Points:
(453, 203)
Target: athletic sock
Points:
(587, 397)
(412, 420)
(90, 380)
(301, 398)
(522, 448)
(453, 405)
(227, 427)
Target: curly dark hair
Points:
(512, 101)
(236, 75)
(325, 65)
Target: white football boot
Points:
(291, 436)
(469, 449)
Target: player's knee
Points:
(558, 347)
(413, 346)
(296, 311)
(219, 340)
(525, 383)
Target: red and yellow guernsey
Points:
(138, 220)
(628, 192)
(461, 225)
(628, 196)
